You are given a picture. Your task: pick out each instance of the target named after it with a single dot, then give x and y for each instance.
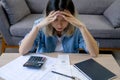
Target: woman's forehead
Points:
(59, 17)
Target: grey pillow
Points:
(92, 6)
(16, 9)
(37, 6)
(113, 13)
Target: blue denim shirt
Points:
(47, 44)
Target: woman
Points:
(59, 31)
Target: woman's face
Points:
(59, 24)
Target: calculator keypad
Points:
(35, 62)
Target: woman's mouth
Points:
(59, 29)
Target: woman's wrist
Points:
(82, 27)
(35, 29)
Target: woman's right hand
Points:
(47, 20)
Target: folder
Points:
(94, 71)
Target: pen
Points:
(63, 74)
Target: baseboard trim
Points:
(109, 49)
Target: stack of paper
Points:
(15, 70)
(63, 66)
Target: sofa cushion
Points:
(113, 14)
(99, 26)
(109, 43)
(16, 9)
(21, 28)
(92, 6)
(37, 6)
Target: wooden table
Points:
(106, 60)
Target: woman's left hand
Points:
(90, 42)
(71, 19)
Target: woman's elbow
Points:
(95, 52)
(22, 51)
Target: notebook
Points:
(94, 71)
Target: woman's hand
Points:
(91, 44)
(47, 20)
(71, 19)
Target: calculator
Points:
(35, 62)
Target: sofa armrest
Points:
(4, 25)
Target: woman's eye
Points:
(55, 20)
(63, 20)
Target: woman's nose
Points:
(59, 23)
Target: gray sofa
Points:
(102, 17)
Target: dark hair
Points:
(55, 5)
(61, 5)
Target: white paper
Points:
(75, 73)
(63, 66)
(78, 74)
(49, 76)
(15, 70)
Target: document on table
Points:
(75, 73)
(15, 70)
(63, 66)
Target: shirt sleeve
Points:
(82, 44)
(37, 21)
(35, 44)
(37, 40)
